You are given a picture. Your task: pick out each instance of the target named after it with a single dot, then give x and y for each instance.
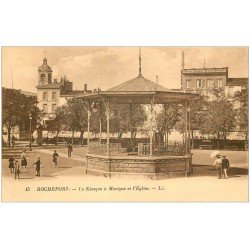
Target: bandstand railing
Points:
(100, 148)
(161, 150)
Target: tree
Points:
(167, 119)
(29, 104)
(242, 113)
(197, 115)
(127, 118)
(219, 118)
(76, 116)
(97, 117)
(59, 121)
(16, 108)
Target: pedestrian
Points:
(225, 165)
(218, 165)
(38, 166)
(11, 163)
(70, 150)
(17, 169)
(24, 159)
(55, 155)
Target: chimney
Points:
(85, 87)
(182, 60)
(156, 79)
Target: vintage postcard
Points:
(125, 124)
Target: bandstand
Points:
(150, 160)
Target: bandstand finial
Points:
(139, 61)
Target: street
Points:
(201, 185)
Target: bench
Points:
(232, 147)
(205, 146)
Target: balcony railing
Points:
(162, 150)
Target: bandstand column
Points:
(131, 124)
(151, 126)
(108, 118)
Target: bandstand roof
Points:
(139, 90)
(137, 84)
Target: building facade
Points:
(53, 94)
(205, 80)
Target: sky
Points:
(105, 67)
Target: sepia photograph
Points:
(125, 124)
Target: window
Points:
(53, 107)
(198, 83)
(43, 78)
(45, 108)
(188, 84)
(53, 95)
(45, 96)
(219, 83)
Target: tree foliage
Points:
(16, 108)
(242, 112)
(58, 123)
(167, 118)
(219, 118)
(127, 118)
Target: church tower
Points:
(48, 92)
(44, 73)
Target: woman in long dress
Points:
(24, 162)
(55, 155)
(218, 165)
(11, 163)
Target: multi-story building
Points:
(234, 85)
(51, 95)
(204, 80)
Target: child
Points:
(38, 166)
(11, 163)
(16, 169)
(55, 155)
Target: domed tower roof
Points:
(45, 66)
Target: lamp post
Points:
(30, 118)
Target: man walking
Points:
(38, 166)
(225, 165)
(16, 169)
(70, 150)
